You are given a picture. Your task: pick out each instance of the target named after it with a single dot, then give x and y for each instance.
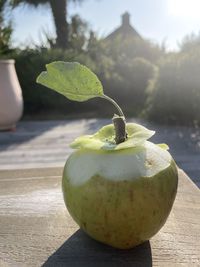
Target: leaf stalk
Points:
(118, 121)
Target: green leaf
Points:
(71, 79)
(163, 146)
(105, 138)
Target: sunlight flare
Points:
(184, 8)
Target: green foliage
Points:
(37, 98)
(190, 42)
(124, 70)
(123, 81)
(139, 75)
(130, 47)
(5, 31)
(35, 2)
(174, 93)
(59, 11)
(30, 2)
(5, 36)
(78, 30)
(120, 65)
(128, 83)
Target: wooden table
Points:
(36, 229)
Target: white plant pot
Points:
(11, 100)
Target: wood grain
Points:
(36, 229)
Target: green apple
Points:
(118, 186)
(120, 197)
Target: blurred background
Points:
(146, 53)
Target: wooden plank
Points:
(36, 229)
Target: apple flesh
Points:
(121, 198)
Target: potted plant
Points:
(11, 100)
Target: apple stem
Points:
(119, 122)
(120, 129)
(115, 104)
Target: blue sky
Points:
(157, 20)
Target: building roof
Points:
(126, 29)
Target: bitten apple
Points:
(120, 197)
(117, 186)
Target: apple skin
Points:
(122, 213)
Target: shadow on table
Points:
(82, 251)
(27, 130)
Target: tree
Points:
(190, 42)
(5, 31)
(78, 29)
(59, 11)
